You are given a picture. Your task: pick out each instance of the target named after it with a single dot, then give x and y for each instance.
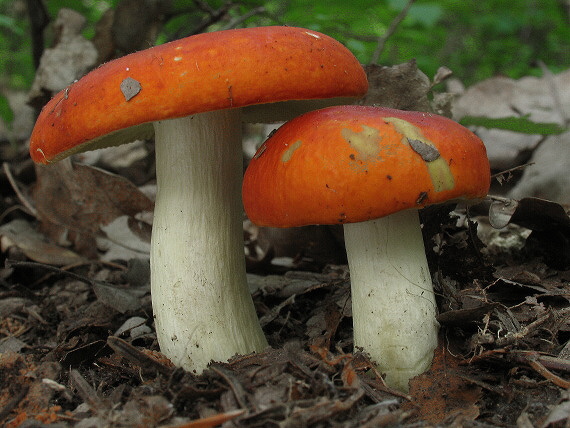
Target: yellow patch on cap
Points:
(365, 142)
(287, 154)
(438, 169)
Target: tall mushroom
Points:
(191, 94)
(371, 169)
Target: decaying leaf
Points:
(125, 238)
(558, 414)
(72, 57)
(547, 175)
(532, 213)
(34, 245)
(116, 298)
(402, 86)
(500, 97)
(549, 222)
(74, 202)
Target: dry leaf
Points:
(547, 175)
(34, 245)
(72, 57)
(503, 97)
(125, 239)
(402, 86)
(75, 201)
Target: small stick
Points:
(540, 362)
(213, 421)
(31, 209)
(391, 30)
(234, 384)
(557, 380)
(137, 357)
(87, 392)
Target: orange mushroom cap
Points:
(205, 72)
(350, 164)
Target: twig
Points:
(508, 171)
(13, 263)
(235, 22)
(550, 362)
(213, 16)
(87, 392)
(39, 20)
(137, 357)
(540, 363)
(547, 374)
(31, 209)
(524, 332)
(234, 384)
(214, 420)
(391, 30)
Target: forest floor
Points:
(77, 347)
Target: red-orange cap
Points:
(355, 163)
(205, 72)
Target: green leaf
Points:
(520, 124)
(6, 113)
(8, 23)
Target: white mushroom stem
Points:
(393, 303)
(202, 306)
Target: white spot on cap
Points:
(177, 58)
(316, 36)
(43, 154)
(127, 69)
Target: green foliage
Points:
(92, 10)
(476, 39)
(6, 113)
(15, 54)
(520, 124)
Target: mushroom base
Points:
(201, 302)
(393, 302)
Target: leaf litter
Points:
(77, 345)
(502, 357)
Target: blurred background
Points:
(476, 40)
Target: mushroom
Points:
(371, 169)
(191, 94)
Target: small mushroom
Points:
(371, 169)
(192, 95)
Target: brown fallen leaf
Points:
(19, 233)
(402, 86)
(74, 201)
